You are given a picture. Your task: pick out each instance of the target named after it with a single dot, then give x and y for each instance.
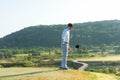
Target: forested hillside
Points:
(89, 33)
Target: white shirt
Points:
(66, 36)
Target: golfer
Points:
(65, 45)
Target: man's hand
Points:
(69, 48)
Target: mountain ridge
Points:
(89, 33)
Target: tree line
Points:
(89, 33)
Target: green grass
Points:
(50, 74)
(104, 58)
(21, 55)
(106, 64)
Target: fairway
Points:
(50, 74)
(106, 58)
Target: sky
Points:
(18, 14)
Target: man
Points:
(65, 45)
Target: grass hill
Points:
(50, 74)
(89, 33)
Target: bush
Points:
(28, 64)
(19, 64)
(104, 70)
(1, 66)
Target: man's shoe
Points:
(65, 68)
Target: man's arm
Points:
(62, 41)
(63, 37)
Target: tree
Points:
(82, 49)
(103, 48)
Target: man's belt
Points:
(65, 43)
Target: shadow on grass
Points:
(29, 73)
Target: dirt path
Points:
(83, 66)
